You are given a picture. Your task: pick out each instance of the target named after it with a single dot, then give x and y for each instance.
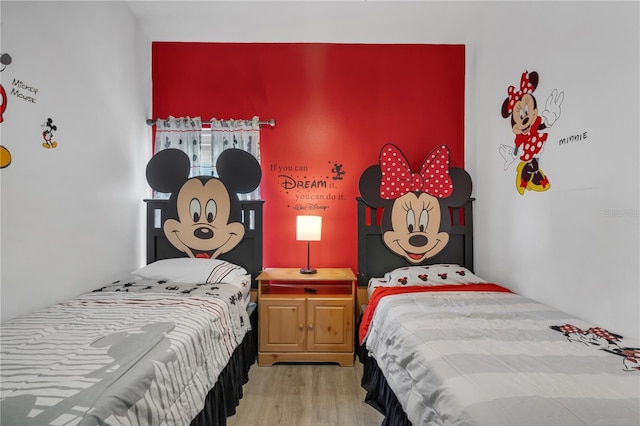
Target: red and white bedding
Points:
(478, 354)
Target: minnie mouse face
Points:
(202, 228)
(521, 105)
(415, 227)
(412, 225)
(525, 112)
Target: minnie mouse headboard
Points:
(203, 217)
(411, 219)
(374, 258)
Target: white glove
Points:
(552, 107)
(508, 153)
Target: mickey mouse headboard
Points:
(248, 253)
(204, 217)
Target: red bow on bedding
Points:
(397, 178)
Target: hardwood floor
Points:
(304, 395)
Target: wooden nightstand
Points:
(306, 317)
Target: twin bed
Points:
(441, 346)
(170, 345)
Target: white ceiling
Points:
(306, 21)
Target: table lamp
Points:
(308, 228)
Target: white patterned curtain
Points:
(185, 134)
(241, 134)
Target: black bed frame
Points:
(222, 400)
(374, 260)
(247, 254)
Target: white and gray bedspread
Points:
(483, 358)
(133, 353)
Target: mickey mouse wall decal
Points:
(5, 154)
(47, 134)
(415, 203)
(204, 213)
(522, 107)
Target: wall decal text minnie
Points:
(573, 138)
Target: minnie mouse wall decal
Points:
(522, 107)
(204, 212)
(415, 203)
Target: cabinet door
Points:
(330, 324)
(282, 324)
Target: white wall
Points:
(575, 246)
(72, 217)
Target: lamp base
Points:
(308, 271)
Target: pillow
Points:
(191, 270)
(445, 273)
(375, 283)
(243, 282)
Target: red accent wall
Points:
(335, 105)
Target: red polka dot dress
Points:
(531, 143)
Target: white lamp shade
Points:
(308, 228)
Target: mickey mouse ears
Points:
(240, 168)
(167, 170)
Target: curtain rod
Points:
(270, 123)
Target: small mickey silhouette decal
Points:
(443, 275)
(204, 212)
(461, 273)
(423, 277)
(47, 134)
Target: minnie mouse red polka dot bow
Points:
(397, 178)
(516, 95)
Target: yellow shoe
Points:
(46, 145)
(544, 184)
(520, 183)
(5, 157)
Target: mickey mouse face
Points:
(203, 212)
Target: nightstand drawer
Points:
(307, 288)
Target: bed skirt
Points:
(379, 394)
(222, 400)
